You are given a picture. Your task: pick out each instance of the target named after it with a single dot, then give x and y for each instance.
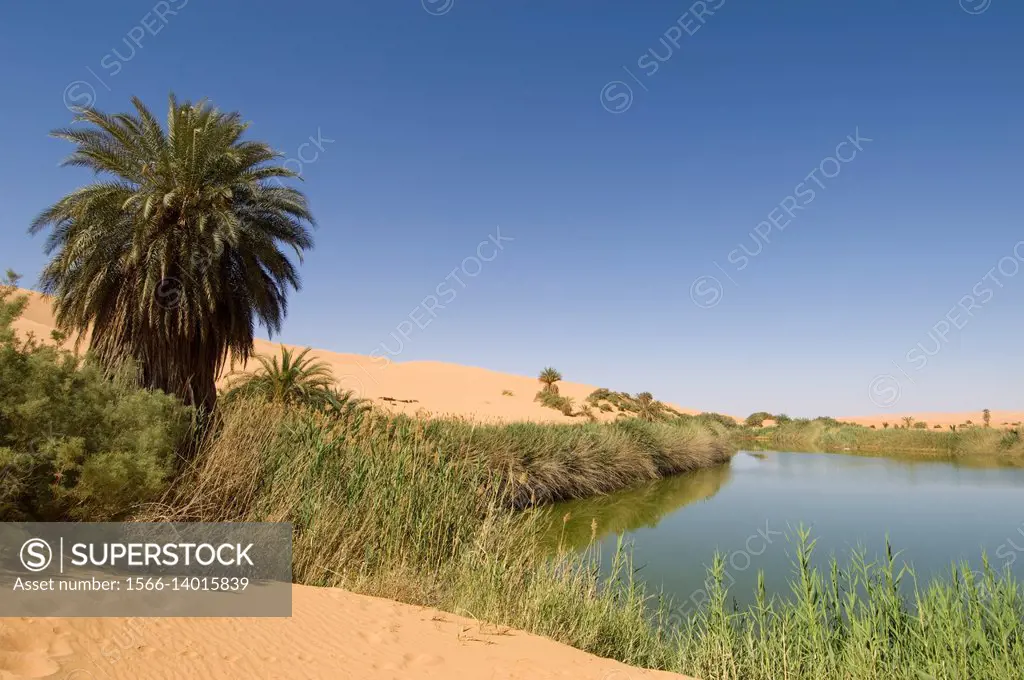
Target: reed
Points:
(425, 512)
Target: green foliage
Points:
(549, 377)
(757, 419)
(181, 248)
(619, 400)
(295, 379)
(781, 419)
(920, 425)
(865, 619)
(998, 445)
(724, 420)
(648, 408)
(643, 405)
(75, 444)
(552, 399)
(567, 404)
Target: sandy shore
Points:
(332, 634)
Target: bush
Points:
(757, 419)
(724, 420)
(552, 399)
(74, 443)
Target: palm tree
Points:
(174, 256)
(549, 377)
(986, 417)
(295, 379)
(649, 409)
(907, 421)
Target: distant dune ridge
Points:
(430, 386)
(451, 389)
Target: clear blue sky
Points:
(450, 120)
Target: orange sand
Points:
(945, 419)
(427, 386)
(333, 634)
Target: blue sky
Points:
(627, 150)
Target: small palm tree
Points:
(647, 408)
(295, 379)
(986, 417)
(178, 252)
(908, 421)
(549, 377)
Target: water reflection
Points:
(628, 510)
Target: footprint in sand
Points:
(29, 654)
(27, 664)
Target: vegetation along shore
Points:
(975, 442)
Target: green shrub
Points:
(757, 419)
(724, 420)
(76, 443)
(552, 399)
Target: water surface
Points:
(933, 512)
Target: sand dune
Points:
(440, 388)
(425, 386)
(333, 634)
(943, 419)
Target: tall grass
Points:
(424, 512)
(374, 490)
(857, 622)
(971, 442)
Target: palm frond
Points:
(181, 247)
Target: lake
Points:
(934, 513)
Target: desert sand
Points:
(438, 388)
(943, 419)
(333, 634)
(415, 386)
